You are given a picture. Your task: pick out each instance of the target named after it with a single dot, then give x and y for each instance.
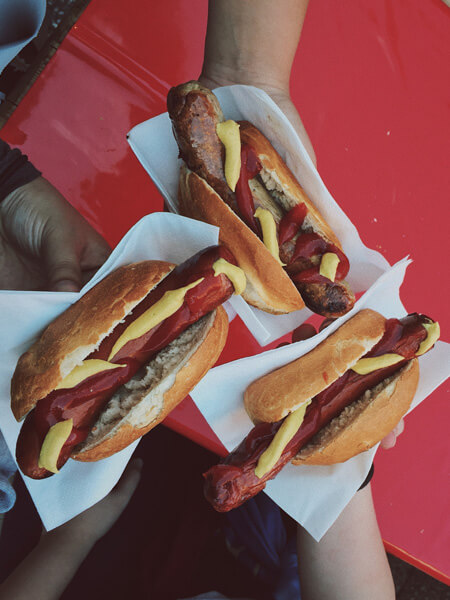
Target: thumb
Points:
(61, 263)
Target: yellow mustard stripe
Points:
(433, 334)
(81, 372)
(52, 445)
(283, 436)
(164, 308)
(235, 274)
(269, 231)
(328, 265)
(228, 132)
(367, 365)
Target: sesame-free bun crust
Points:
(365, 422)
(72, 336)
(153, 407)
(275, 395)
(269, 287)
(276, 169)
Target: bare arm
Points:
(349, 562)
(48, 569)
(254, 43)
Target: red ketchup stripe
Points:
(84, 402)
(307, 245)
(250, 167)
(232, 482)
(291, 223)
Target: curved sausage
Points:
(195, 112)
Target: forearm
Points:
(48, 569)
(253, 41)
(349, 562)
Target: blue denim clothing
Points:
(7, 469)
(256, 536)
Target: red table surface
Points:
(371, 81)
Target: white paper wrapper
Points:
(23, 315)
(314, 496)
(155, 147)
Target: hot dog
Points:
(336, 409)
(289, 253)
(115, 363)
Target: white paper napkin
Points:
(155, 147)
(314, 496)
(23, 315)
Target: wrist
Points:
(70, 538)
(219, 74)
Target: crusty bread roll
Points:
(365, 422)
(145, 400)
(275, 395)
(269, 287)
(78, 331)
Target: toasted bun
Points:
(156, 390)
(275, 395)
(365, 422)
(279, 179)
(77, 332)
(269, 287)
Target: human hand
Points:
(391, 439)
(45, 243)
(91, 525)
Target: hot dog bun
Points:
(152, 393)
(365, 422)
(77, 332)
(155, 391)
(106, 415)
(275, 395)
(269, 287)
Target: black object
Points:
(368, 478)
(15, 170)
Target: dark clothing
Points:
(15, 170)
(168, 543)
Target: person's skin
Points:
(48, 569)
(254, 43)
(349, 562)
(45, 244)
